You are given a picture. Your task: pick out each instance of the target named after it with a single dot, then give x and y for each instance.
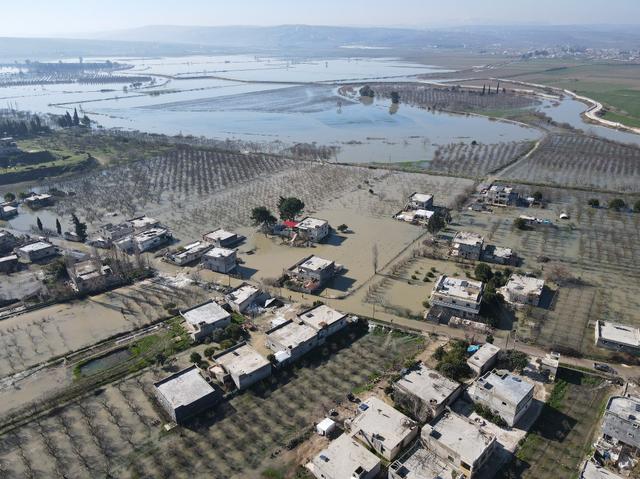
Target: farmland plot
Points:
(581, 161)
(476, 160)
(117, 432)
(454, 99)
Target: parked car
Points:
(604, 368)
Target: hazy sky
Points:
(43, 17)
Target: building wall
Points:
(151, 243)
(182, 413)
(615, 346)
(469, 252)
(297, 352)
(206, 329)
(37, 255)
(8, 266)
(452, 457)
(245, 380)
(388, 454)
(220, 265)
(508, 411)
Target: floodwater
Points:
(105, 362)
(243, 97)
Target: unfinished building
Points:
(505, 394)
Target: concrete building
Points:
(474, 326)
(501, 195)
(143, 223)
(460, 297)
(382, 428)
(467, 245)
(325, 320)
(314, 229)
(112, 232)
(220, 260)
(421, 463)
(189, 254)
(291, 340)
(38, 201)
(484, 358)
(460, 442)
(144, 241)
(591, 470)
(345, 458)
(7, 212)
(420, 201)
(523, 290)
(416, 217)
(8, 264)
(221, 238)
(425, 393)
(507, 395)
(7, 241)
(186, 394)
(242, 297)
(618, 337)
(550, 364)
(203, 319)
(243, 364)
(91, 276)
(621, 423)
(499, 255)
(36, 251)
(311, 273)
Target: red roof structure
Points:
(290, 224)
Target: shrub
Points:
(342, 228)
(617, 204)
(486, 413)
(483, 272)
(594, 202)
(210, 351)
(195, 358)
(520, 223)
(636, 207)
(426, 304)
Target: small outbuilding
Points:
(326, 427)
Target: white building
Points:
(36, 251)
(144, 241)
(425, 393)
(291, 340)
(621, 423)
(420, 201)
(7, 211)
(38, 201)
(345, 458)
(382, 428)
(523, 290)
(416, 217)
(244, 365)
(242, 297)
(221, 238)
(507, 395)
(189, 253)
(203, 319)
(220, 260)
(143, 223)
(325, 320)
(186, 393)
(467, 245)
(460, 442)
(484, 358)
(8, 264)
(499, 255)
(314, 229)
(462, 297)
(501, 195)
(311, 273)
(550, 364)
(618, 337)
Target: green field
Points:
(561, 437)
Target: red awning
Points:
(290, 224)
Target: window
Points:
(465, 465)
(451, 459)
(504, 403)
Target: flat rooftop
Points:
(6, 259)
(501, 188)
(428, 385)
(292, 333)
(219, 235)
(142, 222)
(219, 253)
(625, 407)
(37, 246)
(315, 263)
(464, 289)
(421, 197)
(242, 360)
(499, 251)
(468, 238)
(184, 387)
(208, 313)
(310, 223)
(420, 463)
(525, 284)
(342, 458)
(242, 293)
(460, 434)
(321, 316)
(484, 354)
(389, 424)
(505, 385)
(151, 233)
(619, 333)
